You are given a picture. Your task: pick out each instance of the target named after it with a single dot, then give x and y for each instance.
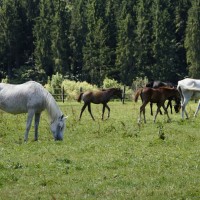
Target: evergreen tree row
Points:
(93, 39)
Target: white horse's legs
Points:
(184, 102)
(28, 123)
(198, 107)
(37, 120)
(183, 106)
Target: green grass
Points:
(110, 159)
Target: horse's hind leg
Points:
(89, 109)
(37, 120)
(82, 109)
(28, 124)
(142, 109)
(198, 107)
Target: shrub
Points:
(139, 82)
(72, 88)
(109, 83)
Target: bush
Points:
(139, 82)
(110, 83)
(72, 88)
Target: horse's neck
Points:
(109, 94)
(52, 108)
(171, 92)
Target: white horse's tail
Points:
(180, 91)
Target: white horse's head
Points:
(58, 127)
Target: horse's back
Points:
(189, 84)
(21, 97)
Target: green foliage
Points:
(139, 82)
(5, 80)
(91, 40)
(54, 85)
(109, 83)
(73, 88)
(192, 41)
(27, 73)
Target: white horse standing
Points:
(189, 89)
(32, 98)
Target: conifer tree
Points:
(192, 40)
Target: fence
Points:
(60, 95)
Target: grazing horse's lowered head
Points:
(58, 127)
(32, 98)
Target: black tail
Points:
(79, 97)
(137, 94)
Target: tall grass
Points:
(110, 159)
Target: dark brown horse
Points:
(158, 96)
(157, 84)
(97, 97)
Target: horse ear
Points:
(66, 117)
(62, 117)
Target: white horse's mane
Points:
(52, 107)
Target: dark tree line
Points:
(93, 39)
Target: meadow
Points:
(110, 159)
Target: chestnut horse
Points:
(157, 84)
(97, 97)
(158, 96)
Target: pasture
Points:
(110, 159)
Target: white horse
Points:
(189, 89)
(32, 98)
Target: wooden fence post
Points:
(81, 89)
(63, 94)
(124, 93)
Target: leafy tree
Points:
(125, 60)
(181, 10)
(12, 36)
(42, 33)
(164, 41)
(78, 30)
(96, 52)
(192, 40)
(59, 38)
(143, 50)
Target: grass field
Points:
(110, 159)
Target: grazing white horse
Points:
(189, 89)
(32, 98)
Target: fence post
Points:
(81, 89)
(63, 94)
(124, 93)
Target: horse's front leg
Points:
(37, 120)
(183, 106)
(28, 123)
(169, 104)
(82, 109)
(151, 107)
(165, 109)
(157, 111)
